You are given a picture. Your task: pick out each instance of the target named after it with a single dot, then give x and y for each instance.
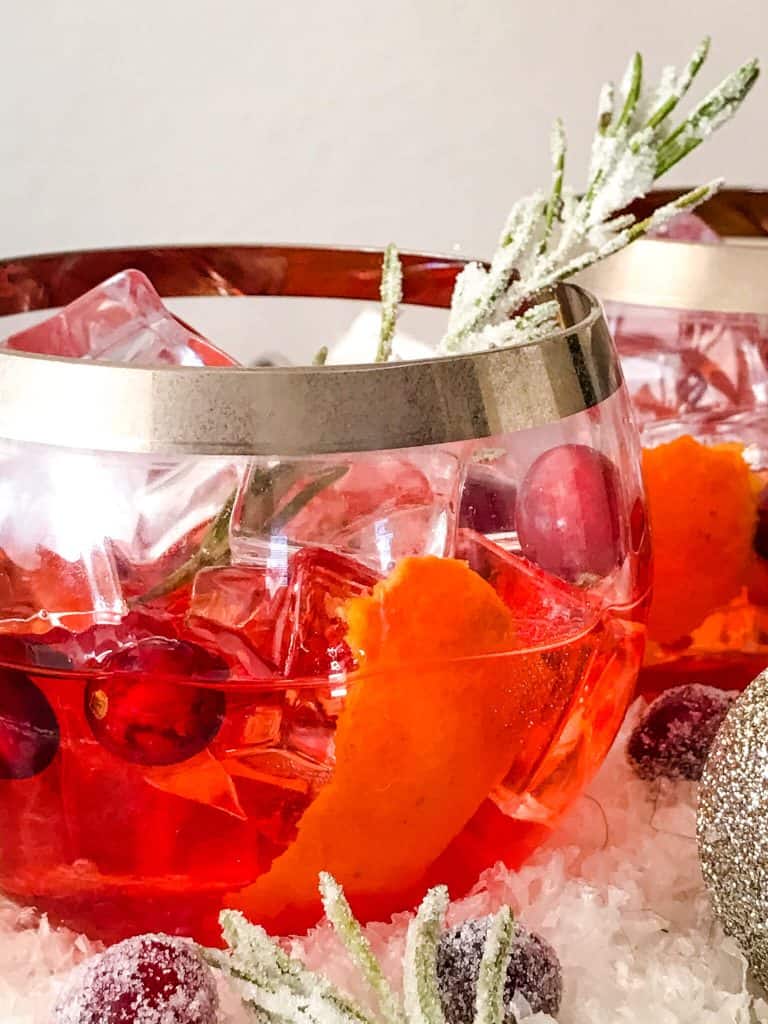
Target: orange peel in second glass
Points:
(702, 506)
(430, 725)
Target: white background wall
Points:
(325, 120)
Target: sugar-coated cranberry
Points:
(673, 737)
(568, 512)
(487, 501)
(534, 971)
(29, 732)
(150, 979)
(148, 706)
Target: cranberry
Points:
(487, 501)
(673, 737)
(534, 971)
(568, 512)
(140, 711)
(29, 732)
(760, 542)
(149, 979)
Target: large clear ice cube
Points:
(682, 361)
(122, 320)
(375, 508)
(78, 530)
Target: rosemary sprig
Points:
(276, 986)
(489, 1002)
(717, 108)
(420, 990)
(339, 913)
(546, 240)
(391, 297)
(279, 989)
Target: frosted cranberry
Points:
(487, 501)
(534, 971)
(568, 512)
(673, 737)
(29, 732)
(150, 979)
(148, 706)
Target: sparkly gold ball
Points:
(733, 824)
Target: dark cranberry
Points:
(673, 737)
(534, 971)
(148, 706)
(487, 501)
(150, 979)
(29, 732)
(760, 542)
(568, 512)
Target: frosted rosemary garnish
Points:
(279, 989)
(274, 985)
(489, 1002)
(339, 913)
(391, 297)
(420, 990)
(550, 237)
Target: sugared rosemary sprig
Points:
(391, 297)
(280, 989)
(550, 237)
(546, 240)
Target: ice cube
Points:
(292, 615)
(375, 508)
(122, 320)
(108, 521)
(361, 340)
(248, 600)
(677, 362)
(57, 512)
(545, 607)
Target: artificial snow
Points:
(361, 340)
(617, 892)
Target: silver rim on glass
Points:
(289, 410)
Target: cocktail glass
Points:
(691, 324)
(256, 623)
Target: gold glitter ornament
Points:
(732, 825)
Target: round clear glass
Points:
(395, 648)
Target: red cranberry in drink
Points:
(149, 707)
(673, 737)
(568, 512)
(760, 542)
(29, 732)
(487, 501)
(149, 979)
